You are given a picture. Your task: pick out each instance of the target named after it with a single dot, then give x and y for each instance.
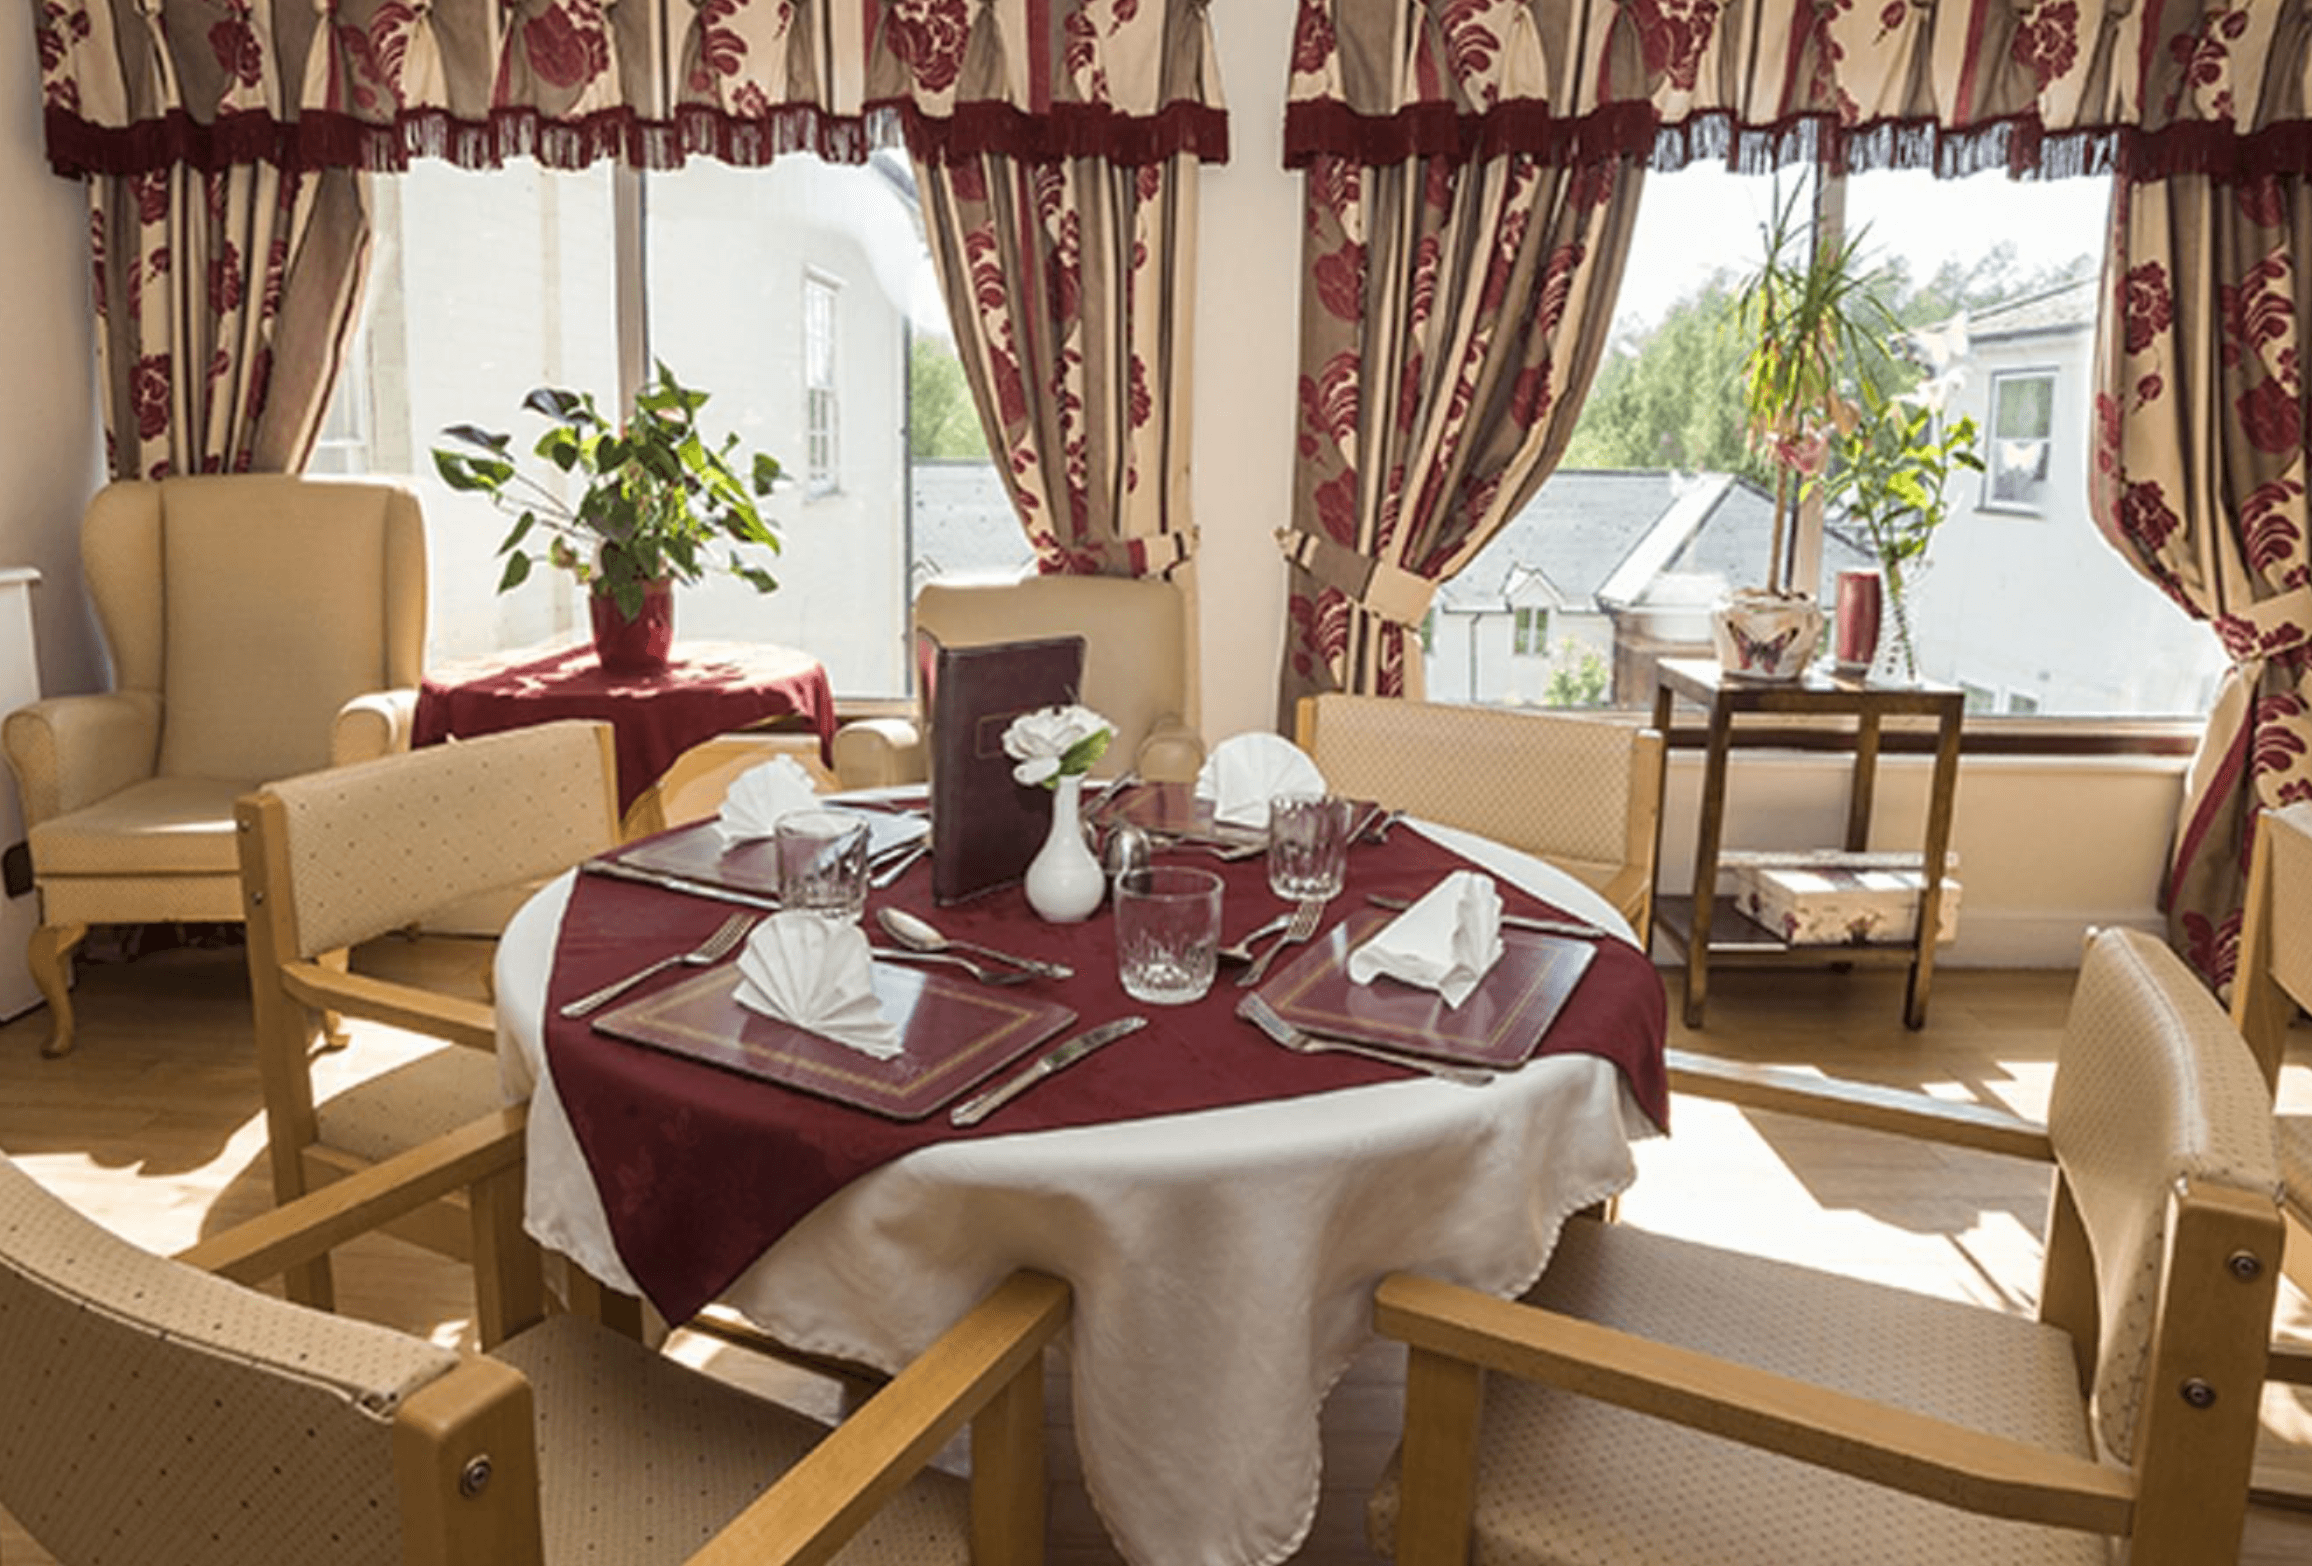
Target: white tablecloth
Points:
(1223, 1262)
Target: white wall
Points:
(2047, 846)
(50, 448)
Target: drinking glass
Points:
(822, 856)
(1308, 846)
(1167, 933)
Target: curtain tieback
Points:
(2277, 628)
(1380, 587)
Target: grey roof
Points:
(1584, 523)
(1574, 532)
(2068, 307)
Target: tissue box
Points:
(1841, 899)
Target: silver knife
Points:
(973, 1110)
(677, 883)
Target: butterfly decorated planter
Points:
(1762, 635)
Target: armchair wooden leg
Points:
(49, 956)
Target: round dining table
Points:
(1222, 1261)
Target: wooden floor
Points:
(154, 1127)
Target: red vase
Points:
(1857, 637)
(639, 645)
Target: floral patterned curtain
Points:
(1452, 315)
(2035, 86)
(1068, 267)
(2200, 482)
(1057, 143)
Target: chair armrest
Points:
(1865, 1106)
(1172, 752)
(367, 1199)
(71, 751)
(377, 723)
(1885, 1445)
(465, 1022)
(879, 752)
(990, 1360)
(1629, 892)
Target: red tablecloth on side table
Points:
(708, 688)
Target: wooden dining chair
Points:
(2272, 980)
(1657, 1400)
(1580, 792)
(338, 858)
(692, 788)
(157, 1412)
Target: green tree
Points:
(1580, 679)
(941, 420)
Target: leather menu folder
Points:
(985, 827)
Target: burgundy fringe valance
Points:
(132, 86)
(2039, 88)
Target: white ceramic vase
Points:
(1065, 882)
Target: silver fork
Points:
(1240, 950)
(1264, 1017)
(1305, 918)
(713, 949)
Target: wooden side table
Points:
(1712, 936)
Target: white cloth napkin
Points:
(757, 797)
(814, 972)
(1245, 771)
(1445, 942)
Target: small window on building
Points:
(2022, 429)
(2021, 704)
(1978, 698)
(821, 420)
(1532, 639)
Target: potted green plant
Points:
(1891, 471)
(655, 499)
(1804, 311)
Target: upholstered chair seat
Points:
(334, 859)
(1555, 1470)
(153, 1413)
(260, 626)
(1136, 672)
(1656, 1400)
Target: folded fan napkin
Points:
(1245, 771)
(814, 972)
(1445, 942)
(759, 796)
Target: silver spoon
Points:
(985, 975)
(912, 930)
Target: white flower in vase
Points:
(1056, 742)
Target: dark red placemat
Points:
(954, 1032)
(700, 1173)
(1499, 1026)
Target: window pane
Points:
(481, 287)
(2022, 596)
(1659, 506)
(802, 296)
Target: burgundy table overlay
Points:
(701, 1170)
(707, 688)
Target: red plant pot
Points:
(639, 645)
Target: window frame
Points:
(1989, 499)
(822, 404)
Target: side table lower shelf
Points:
(1739, 941)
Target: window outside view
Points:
(799, 297)
(1659, 505)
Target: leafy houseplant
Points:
(1891, 470)
(1803, 311)
(657, 496)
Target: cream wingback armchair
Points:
(1135, 670)
(260, 626)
